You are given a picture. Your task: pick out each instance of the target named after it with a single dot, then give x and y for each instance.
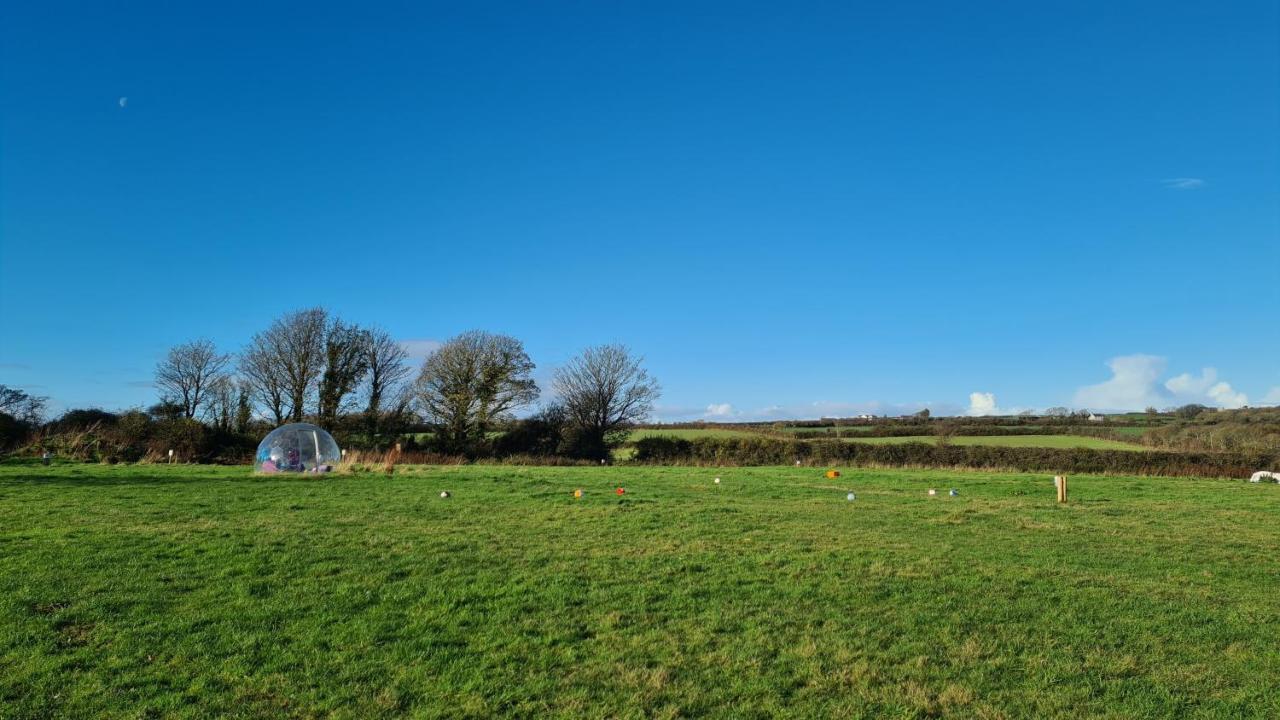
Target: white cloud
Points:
(981, 403)
(1207, 386)
(1186, 383)
(1184, 183)
(1272, 396)
(1224, 396)
(1135, 384)
(418, 349)
(984, 403)
(721, 410)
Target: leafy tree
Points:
(1190, 411)
(189, 372)
(471, 382)
(604, 391)
(83, 418)
(541, 434)
(346, 361)
(244, 407)
(165, 410)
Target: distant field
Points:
(689, 433)
(1047, 441)
(1134, 431)
(201, 592)
(843, 430)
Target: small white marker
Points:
(932, 491)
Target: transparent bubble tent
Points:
(297, 447)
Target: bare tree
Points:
(264, 375)
(187, 373)
(285, 362)
(300, 343)
(387, 373)
(220, 409)
(604, 391)
(472, 381)
(21, 405)
(346, 356)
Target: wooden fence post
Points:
(1060, 481)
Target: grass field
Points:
(1134, 431)
(204, 592)
(844, 429)
(689, 433)
(1047, 441)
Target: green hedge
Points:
(773, 451)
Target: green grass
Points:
(205, 592)
(1047, 441)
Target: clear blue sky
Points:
(787, 208)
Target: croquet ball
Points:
(577, 493)
(954, 492)
(833, 474)
(621, 491)
(444, 493)
(717, 481)
(849, 496)
(932, 491)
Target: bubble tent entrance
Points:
(297, 448)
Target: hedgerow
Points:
(773, 451)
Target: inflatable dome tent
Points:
(297, 447)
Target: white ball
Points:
(717, 481)
(444, 493)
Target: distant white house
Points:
(1097, 418)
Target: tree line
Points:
(358, 382)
